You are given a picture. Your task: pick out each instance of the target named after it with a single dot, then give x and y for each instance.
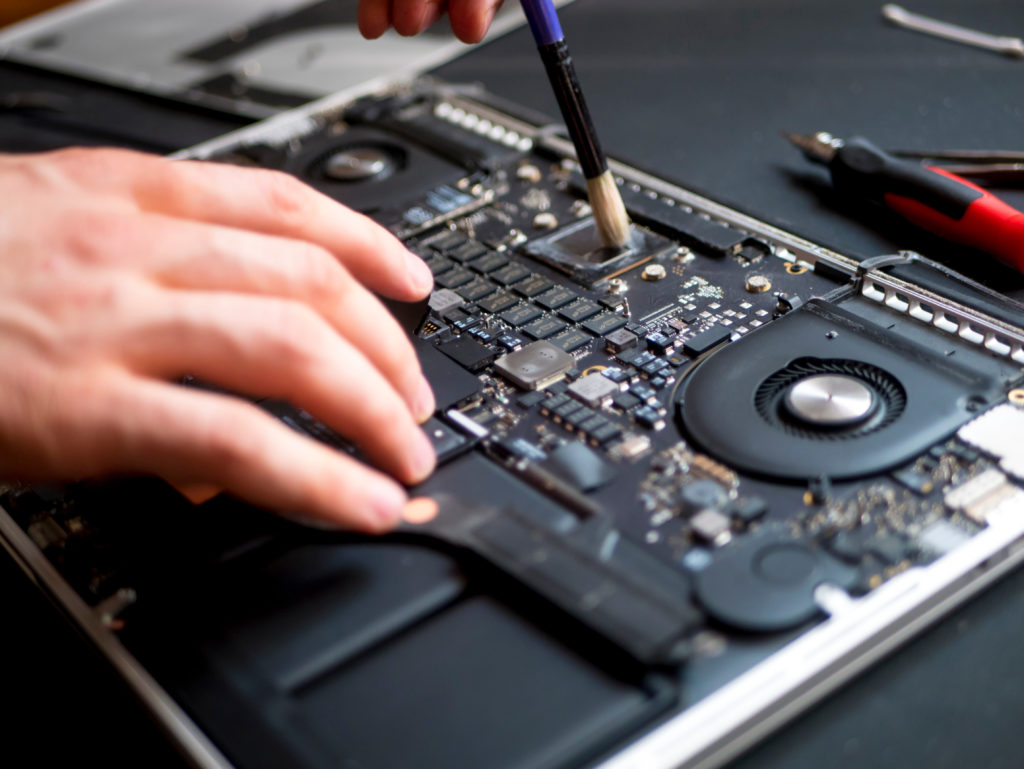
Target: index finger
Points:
(276, 203)
(270, 202)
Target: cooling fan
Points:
(831, 399)
(822, 392)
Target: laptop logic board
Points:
(681, 461)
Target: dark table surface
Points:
(698, 91)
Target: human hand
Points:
(470, 18)
(121, 272)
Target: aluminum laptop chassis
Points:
(841, 554)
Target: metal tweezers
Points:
(1000, 167)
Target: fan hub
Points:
(830, 400)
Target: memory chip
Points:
(510, 273)
(536, 366)
(500, 301)
(521, 315)
(489, 263)
(532, 286)
(605, 323)
(579, 310)
(476, 290)
(454, 278)
(542, 328)
(555, 297)
(571, 340)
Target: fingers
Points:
(200, 257)
(268, 202)
(280, 349)
(374, 18)
(275, 203)
(470, 18)
(223, 442)
(410, 17)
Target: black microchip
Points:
(469, 353)
(567, 409)
(498, 302)
(462, 318)
(482, 334)
(706, 340)
(578, 417)
(617, 341)
(642, 391)
(570, 340)
(659, 344)
(521, 315)
(476, 290)
(554, 402)
(533, 285)
(542, 328)
(455, 278)
(510, 273)
(510, 341)
(605, 323)
(439, 265)
(654, 367)
(448, 241)
(531, 399)
(617, 374)
(555, 297)
(489, 263)
(578, 250)
(579, 310)
(626, 402)
(607, 434)
(647, 417)
(467, 252)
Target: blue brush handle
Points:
(543, 21)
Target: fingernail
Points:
(425, 402)
(420, 276)
(387, 502)
(420, 510)
(431, 14)
(418, 27)
(423, 458)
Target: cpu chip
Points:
(536, 366)
(578, 250)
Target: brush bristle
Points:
(609, 211)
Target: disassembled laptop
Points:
(714, 473)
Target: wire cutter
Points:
(934, 198)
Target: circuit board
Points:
(677, 443)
